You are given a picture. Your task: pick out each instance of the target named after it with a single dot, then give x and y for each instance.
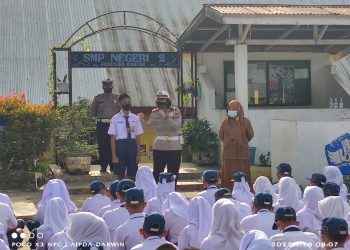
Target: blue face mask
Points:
(232, 113)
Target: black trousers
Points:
(169, 158)
(104, 146)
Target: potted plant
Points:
(263, 168)
(75, 125)
(200, 140)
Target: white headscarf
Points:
(263, 185)
(334, 206)
(333, 174)
(299, 245)
(177, 203)
(287, 194)
(56, 216)
(309, 215)
(255, 240)
(225, 232)
(198, 220)
(241, 192)
(145, 180)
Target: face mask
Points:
(232, 113)
(107, 90)
(161, 104)
(126, 107)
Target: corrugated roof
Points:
(281, 10)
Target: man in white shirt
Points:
(263, 217)
(210, 182)
(128, 234)
(153, 232)
(98, 200)
(115, 201)
(334, 233)
(283, 170)
(286, 222)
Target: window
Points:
(274, 83)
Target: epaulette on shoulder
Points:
(155, 110)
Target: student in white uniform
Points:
(210, 183)
(331, 189)
(118, 216)
(318, 180)
(7, 218)
(153, 231)
(145, 181)
(175, 214)
(334, 233)
(198, 223)
(225, 232)
(115, 201)
(333, 174)
(55, 220)
(288, 197)
(285, 221)
(309, 216)
(165, 186)
(4, 198)
(285, 170)
(98, 200)
(334, 206)
(129, 232)
(241, 190)
(263, 185)
(255, 240)
(263, 217)
(243, 208)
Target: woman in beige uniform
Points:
(235, 133)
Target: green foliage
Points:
(265, 159)
(187, 88)
(199, 136)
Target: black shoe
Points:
(103, 171)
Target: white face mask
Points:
(232, 113)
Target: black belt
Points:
(126, 140)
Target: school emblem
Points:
(338, 153)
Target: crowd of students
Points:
(148, 216)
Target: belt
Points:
(126, 140)
(105, 120)
(168, 138)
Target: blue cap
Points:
(284, 213)
(154, 223)
(334, 226)
(210, 175)
(319, 179)
(263, 199)
(166, 177)
(96, 186)
(285, 169)
(113, 188)
(222, 193)
(237, 177)
(134, 196)
(124, 185)
(331, 189)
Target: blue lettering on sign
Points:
(338, 153)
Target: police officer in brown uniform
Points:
(104, 107)
(166, 120)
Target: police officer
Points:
(104, 107)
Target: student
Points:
(165, 186)
(4, 198)
(175, 214)
(167, 246)
(331, 189)
(334, 206)
(55, 220)
(128, 233)
(198, 223)
(287, 189)
(318, 180)
(263, 217)
(334, 233)
(210, 183)
(115, 201)
(286, 222)
(225, 232)
(115, 217)
(309, 216)
(285, 170)
(263, 185)
(333, 174)
(153, 231)
(255, 240)
(241, 189)
(98, 200)
(145, 180)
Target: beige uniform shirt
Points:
(105, 106)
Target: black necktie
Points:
(127, 126)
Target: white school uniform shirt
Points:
(59, 241)
(116, 217)
(7, 218)
(262, 221)
(299, 192)
(156, 204)
(208, 194)
(151, 243)
(333, 174)
(95, 203)
(282, 240)
(3, 245)
(118, 126)
(3, 235)
(113, 205)
(129, 232)
(243, 208)
(255, 240)
(4, 198)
